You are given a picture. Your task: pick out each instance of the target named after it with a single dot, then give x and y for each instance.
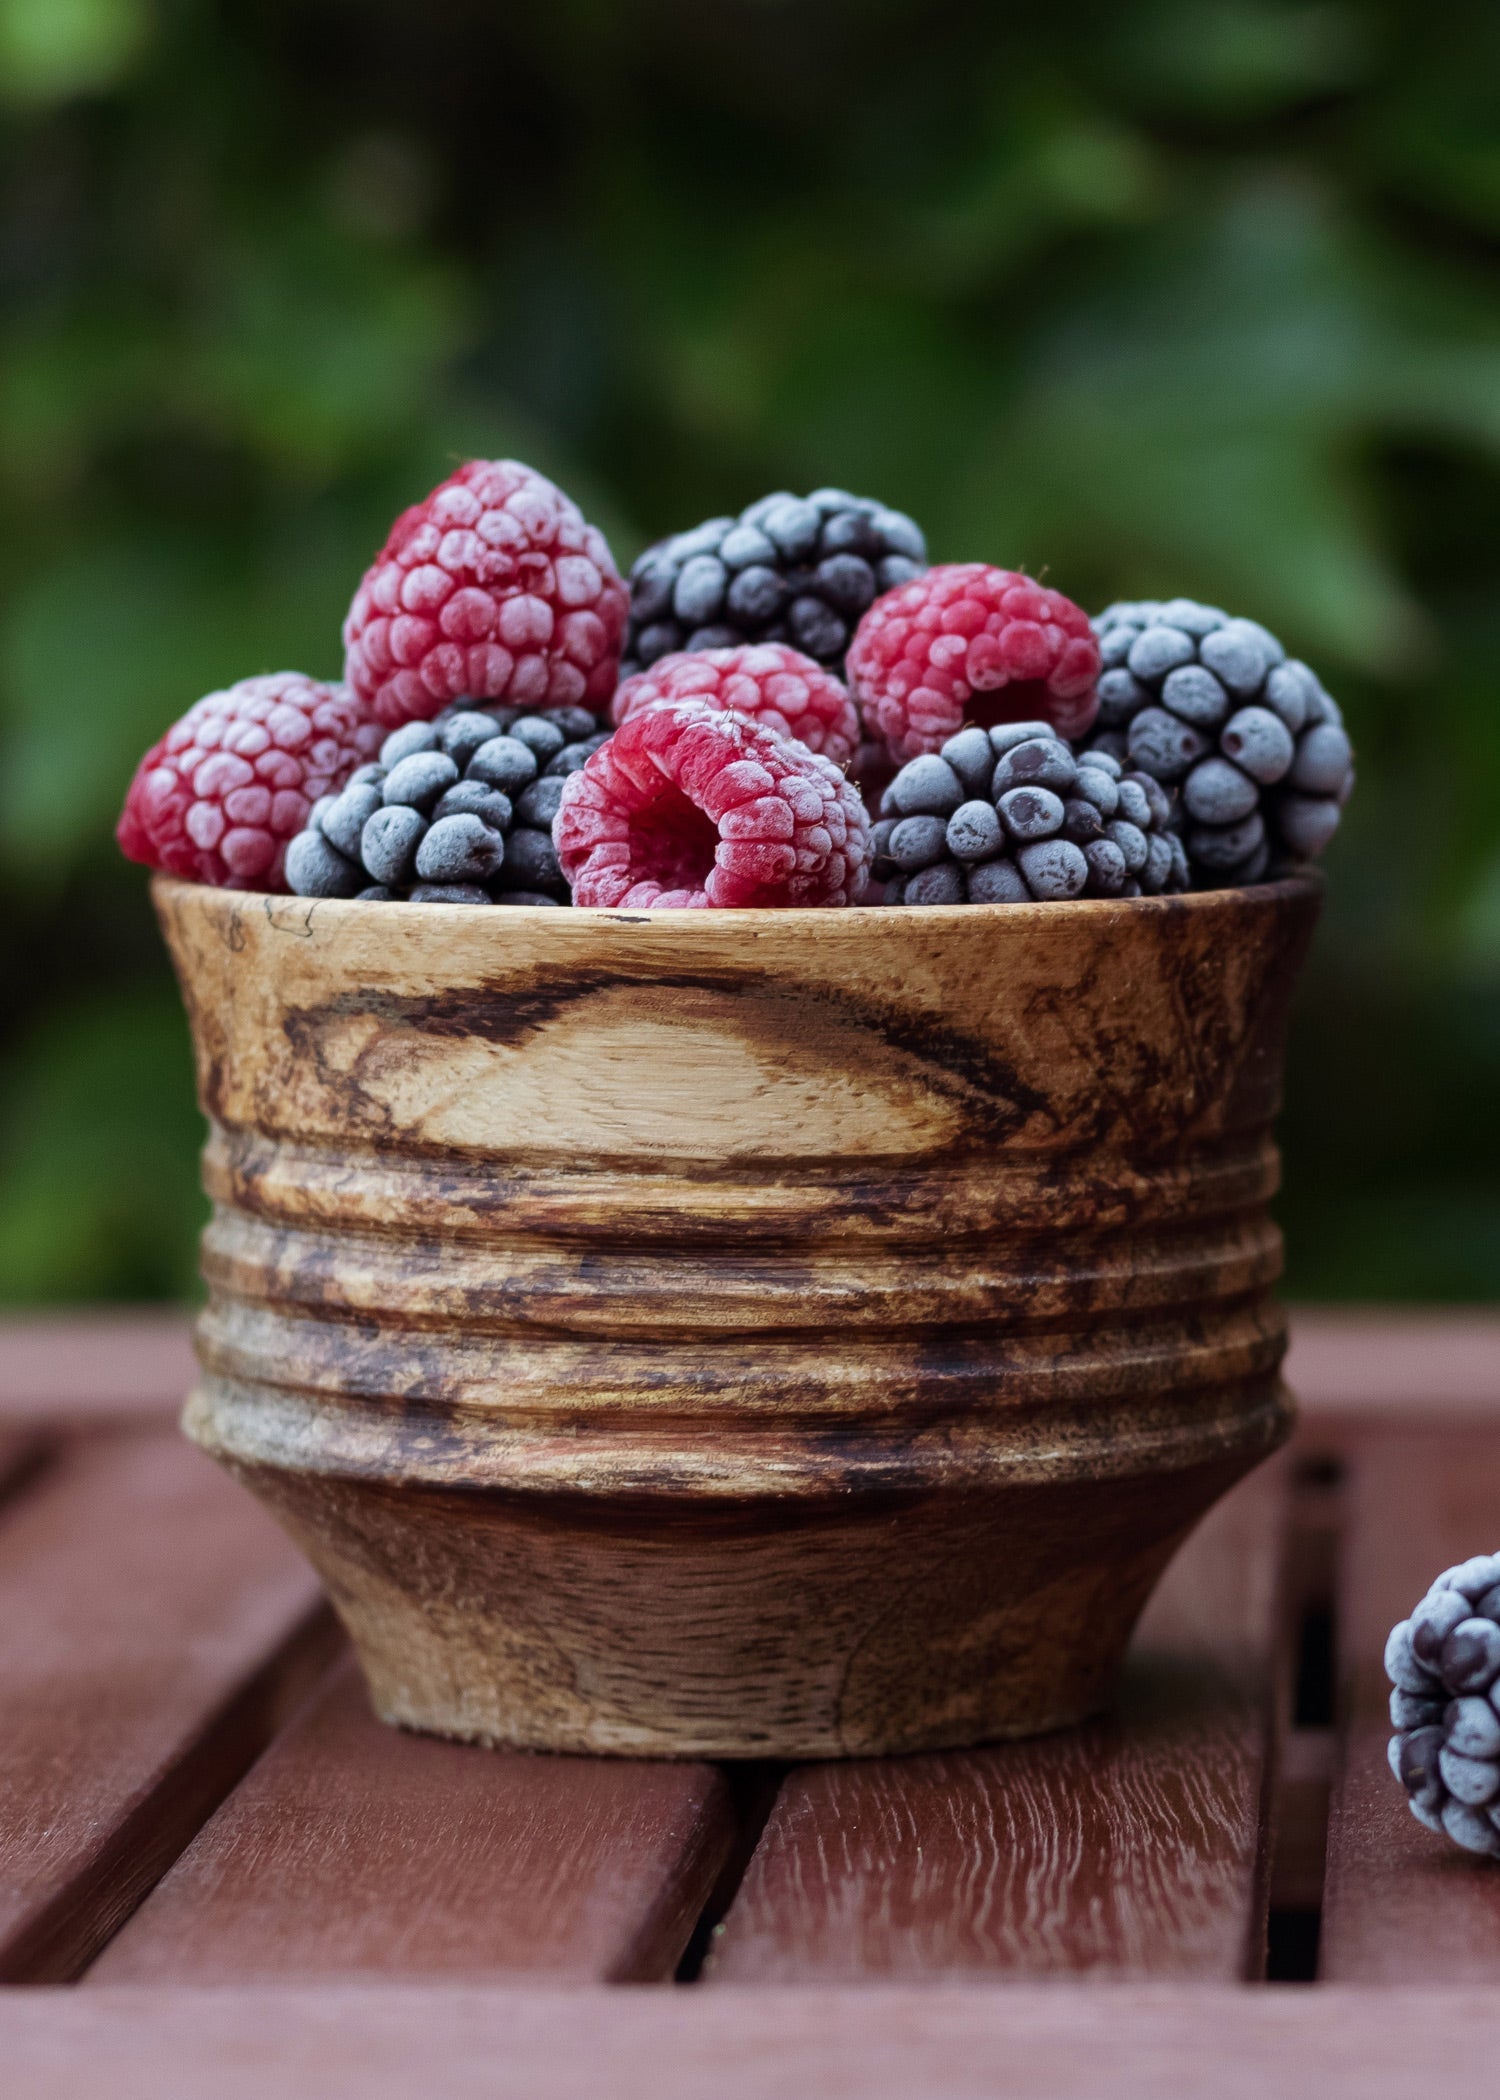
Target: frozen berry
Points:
(771, 684)
(219, 799)
(1215, 708)
(494, 588)
(688, 805)
(789, 569)
(455, 811)
(1444, 1664)
(966, 642)
(1048, 826)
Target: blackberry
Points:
(457, 810)
(1012, 815)
(792, 569)
(1444, 1664)
(1245, 735)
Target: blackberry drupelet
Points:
(457, 810)
(1215, 709)
(1444, 1664)
(1012, 815)
(793, 569)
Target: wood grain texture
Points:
(741, 1333)
(1402, 1905)
(352, 1848)
(1022, 2043)
(1133, 1846)
(1350, 1365)
(94, 1366)
(143, 1609)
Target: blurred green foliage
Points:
(1181, 296)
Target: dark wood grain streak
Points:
(152, 1624)
(1024, 2043)
(353, 1848)
(1131, 1847)
(1402, 1905)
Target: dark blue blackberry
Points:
(456, 811)
(1444, 1666)
(1012, 815)
(1242, 734)
(794, 569)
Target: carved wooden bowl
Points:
(789, 1334)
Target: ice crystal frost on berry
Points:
(493, 588)
(226, 789)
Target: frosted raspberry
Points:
(776, 686)
(492, 588)
(226, 789)
(968, 643)
(690, 805)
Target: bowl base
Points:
(642, 1633)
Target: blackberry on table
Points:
(1012, 815)
(794, 569)
(457, 810)
(1444, 1667)
(1246, 736)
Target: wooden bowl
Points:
(789, 1334)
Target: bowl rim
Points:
(1299, 882)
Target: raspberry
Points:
(455, 811)
(967, 642)
(492, 588)
(690, 805)
(787, 569)
(773, 685)
(220, 796)
(1216, 709)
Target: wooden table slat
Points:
(95, 1368)
(1402, 1905)
(1132, 1846)
(1147, 2042)
(150, 1617)
(354, 1848)
(1396, 1364)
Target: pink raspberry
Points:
(493, 588)
(690, 805)
(968, 643)
(776, 686)
(218, 799)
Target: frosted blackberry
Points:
(794, 569)
(1243, 734)
(1444, 1666)
(457, 810)
(1012, 815)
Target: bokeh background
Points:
(1165, 296)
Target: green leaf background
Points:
(1184, 296)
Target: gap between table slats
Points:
(1402, 1905)
(353, 1848)
(20, 1457)
(1133, 1846)
(152, 1623)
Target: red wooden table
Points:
(219, 1875)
